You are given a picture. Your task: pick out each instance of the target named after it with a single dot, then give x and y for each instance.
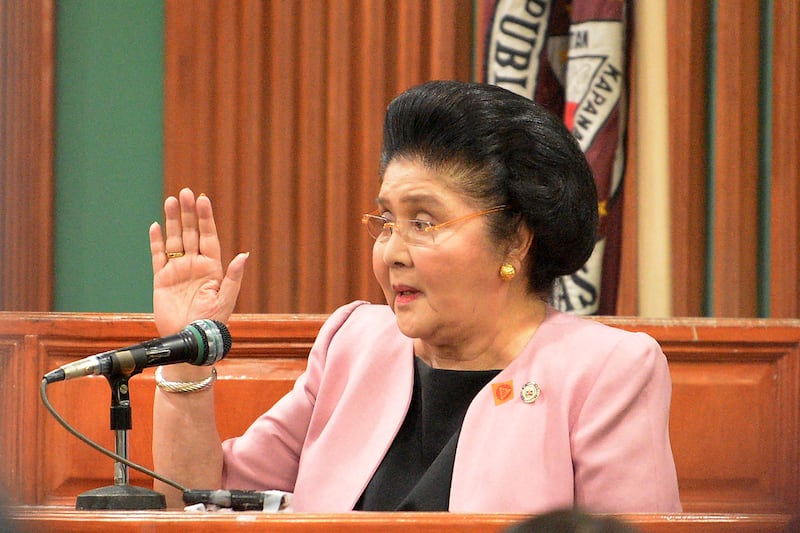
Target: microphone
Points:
(240, 500)
(203, 342)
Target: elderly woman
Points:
(467, 392)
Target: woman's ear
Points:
(520, 243)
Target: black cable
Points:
(105, 451)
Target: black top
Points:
(416, 472)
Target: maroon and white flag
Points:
(570, 57)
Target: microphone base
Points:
(120, 497)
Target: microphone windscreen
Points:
(216, 340)
(227, 340)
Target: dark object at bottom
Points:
(121, 497)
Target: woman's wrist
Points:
(183, 385)
(185, 372)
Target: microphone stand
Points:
(120, 495)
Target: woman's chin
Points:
(408, 326)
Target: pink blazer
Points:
(596, 437)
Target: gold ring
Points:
(173, 255)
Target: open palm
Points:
(193, 285)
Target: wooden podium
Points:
(55, 520)
(734, 423)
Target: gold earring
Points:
(507, 271)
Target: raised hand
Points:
(189, 282)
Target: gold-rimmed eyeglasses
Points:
(414, 231)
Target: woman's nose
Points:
(395, 251)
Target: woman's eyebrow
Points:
(417, 200)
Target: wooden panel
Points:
(50, 520)
(244, 390)
(734, 419)
(736, 160)
(730, 459)
(628, 286)
(258, 371)
(687, 34)
(373, 19)
(15, 413)
(785, 194)
(274, 109)
(26, 164)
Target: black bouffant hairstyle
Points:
(502, 148)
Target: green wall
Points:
(109, 152)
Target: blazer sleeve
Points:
(267, 455)
(620, 436)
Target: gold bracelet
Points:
(185, 386)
